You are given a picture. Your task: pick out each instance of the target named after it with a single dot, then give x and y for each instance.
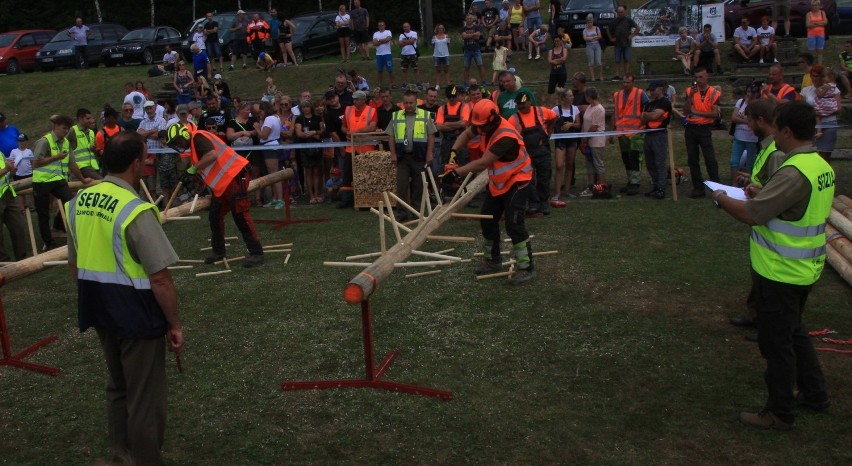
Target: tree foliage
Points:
(28, 14)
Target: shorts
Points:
(828, 140)
(782, 8)
(384, 62)
(284, 40)
(533, 23)
(556, 80)
(593, 54)
(311, 158)
(361, 37)
(214, 50)
(441, 61)
(566, 143)
(409, 61)
(239, 47)
(816, 42)
(344, 32)
(472, 55)
(622, 54)
(595, 160)
(514, 26)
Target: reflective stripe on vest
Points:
(227, 165)
(793, 252)
(704, 105)
(6, 180)
(83, 154)
(502, 175)
(56, 170)
(421, 118)
(760, 161)
(630, 111)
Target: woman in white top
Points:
(441, 56)
(745, 141)
(592, 36)
(269, 131)
(684, 46)
(567, 121)
(344, 31)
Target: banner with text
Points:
(659, 27)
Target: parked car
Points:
(62, 52)
(735, 10)
(315, 35)
(18, 49)
(572, 18)
(844, 13)
(144, 46)
(224, 19)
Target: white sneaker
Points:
(761, 61)
(775, 60)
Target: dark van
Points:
(61, 52)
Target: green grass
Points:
(619, 352)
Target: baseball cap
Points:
(511, 70)
(656, 83)
(329, 95)
(182, 108)
(23, 137)
(148, 103)
(359, 95)
(241, 12)
(451, 91)
(217, 76)
(522, 97)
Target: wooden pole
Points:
(192, 207)
(457, 239)
(32, 233)
(842, 208)
(287, 259)
(382, 242)
(426, 192)
(403, 204)
(672, 167)
(435, 255)
(272, 246)
(423, 274)
(383, 215)
(477, 216)
(840, 265)
(394, 223)
(841, 223)
(205, 274)
(841, 243)
(147, 193)
(174, 195)
(461, 187)
(435, 188)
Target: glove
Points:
(188, 177)
(449, 178)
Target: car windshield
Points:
(139, 34)
(589, 5)
(61, 37)
(7, 39)
(302, 24)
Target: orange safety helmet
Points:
(483, 111)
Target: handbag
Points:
(416, 48)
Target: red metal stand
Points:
(17, 360)
(287, 220)
(374, 375)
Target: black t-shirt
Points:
(385, 116)
(247, 126)
(223, 88)
(211, 36)
(490, 15)
(506, 149)
(663, 104)
(579, 98)
(334, 121)
(433, 110)
(221, 116)
(310, 124)
(346, 99)
(471, 44)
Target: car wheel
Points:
(300, 57)
(13, 67)
(147, 57)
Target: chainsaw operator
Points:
(510, 172)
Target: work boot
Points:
(213, 258)
(764, 420)
(697, 193)
(253, 261)
(632, 189)
(521, 276)
(488, 266)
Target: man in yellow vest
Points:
(52, 159)
(627, 109)
(11, 214)
(787, 251)
(412, 140)
(81, 141)
(226, 173)
(119, 257)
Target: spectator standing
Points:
(499, 62)
(505, 11)
(627, 111)
(269, 132)
(412, 139)
(816, 21)
(134, 98)
(343, 23)
(555, 8)
(309, 128)
(239, 46)
(775, 88)
(516, 21)
(11, 213)
(470, 40)
(701, 107)
(257, 32)
(567, 121)
(781, 8)
(746, 42)
(80, 33)
(532, 15)
(766, 38)
(200, 63)
(621, 33)
(183, 83)
(198, 37)
(824, 97)
(706, 48)
(592, 37)
(846, 66)
(684, 50)
(441, 56)
(286, 38)
(657, 113)
(361, 28)
(557, 56)
(537, 41)
(275, 34)
(384, 57)
(408, 43)
(744, 147)
(21, 159)
(211, 40)
(593, 148)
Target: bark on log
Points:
(837, 220)
(843, 267)
(842, 244)
(34, 264)
(844, 200)
(365, 283)
(842, 208)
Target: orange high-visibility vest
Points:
(628, 112)
(503, 174)
(784, 91)
(356, 121)
(657, 124)
(218, 175)
(257, 30)
(702, 105)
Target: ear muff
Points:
(177, 130)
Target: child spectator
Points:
(265, 62)
(501, 55)
(271, 90)
(538, 42)
(333, 185)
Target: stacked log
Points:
(838, 233)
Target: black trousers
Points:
(511, 205)
(700, 137)
(41, 196)
(785, 344)
(542, 163)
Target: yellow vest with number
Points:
(793, 252)
(56, 170)
(83, 154)
(114, 290)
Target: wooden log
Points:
(845, 200)
(365, 283)
(34, 264)
(423, 274)
(477, 216)
(842, 244)
(841, 223)
(26, 185)
(840, 206)
(840, 264)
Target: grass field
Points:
(619, 352)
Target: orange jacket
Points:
(503, 174)
(355, 121)
(224, 169)
(257, 30)
(627, 117)
(702, 105)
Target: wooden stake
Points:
(384, 216)
(507, 240)
(62, 213)
(382, 242)
(226, 260)
(191, 261)
(179, 267)
(287, 259)
(461, 188)
(672, 164)
(363, 256)
(277, 250)
(346, 264)
(404, 204)
(191, 217)
(204, 274)
(32, 233)
(495, 275)
(423, 264)
(394, 223)
(157, 201)
(210, 248)
(227, 238)
(444, 251)
(422, 274)
(435, 188)
(273, 246)
(147, 193)
(435, 255)
(479, 216)
(174, 195)
(192, 207)
(459, 239)
(426, 192)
